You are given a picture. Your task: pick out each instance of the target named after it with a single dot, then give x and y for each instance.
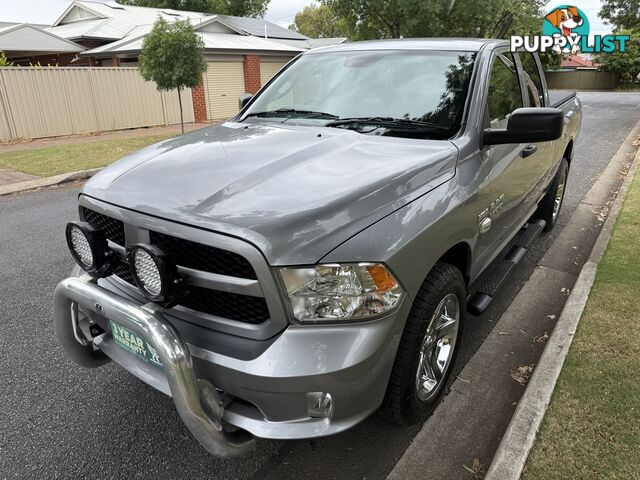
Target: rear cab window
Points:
(532, 79)
(505, 94)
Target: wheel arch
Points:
(568, 151)
(459, 256)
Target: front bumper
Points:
(268, 396)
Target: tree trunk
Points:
(181, 117)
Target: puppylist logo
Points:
(565, 29)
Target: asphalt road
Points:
(58, 421)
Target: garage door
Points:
(223, 84)
(268, 70)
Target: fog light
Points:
(319, 404)
(89, 249)
(155, 274)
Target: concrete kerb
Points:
(47, 182)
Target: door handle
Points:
(528, 151)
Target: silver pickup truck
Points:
(288, 272)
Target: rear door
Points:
(535, 95)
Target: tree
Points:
(622, 14)
(240, 8)
(172, 57)
(320, 21)
(627, 64)
(438, 18)
(4, 62)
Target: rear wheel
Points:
(549, 207)
(428, 346)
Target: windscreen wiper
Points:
(384, 122)
(293, 112)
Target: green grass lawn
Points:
(592, 427)
(48, 161)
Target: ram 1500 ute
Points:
(288, 272)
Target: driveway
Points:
(60, 421)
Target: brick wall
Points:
(199, 103)
(252, 73)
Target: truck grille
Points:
(112, 228)
(122, 271)
(203, 257)
(196, 256)
(227, 305)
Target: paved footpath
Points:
(7, 177)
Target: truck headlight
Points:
(327, 293)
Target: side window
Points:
(532, 79)
(504, 90)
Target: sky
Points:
(281, 12)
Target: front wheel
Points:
(550, 205)
(428, 346)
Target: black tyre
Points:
(550, 205)
(428, 346)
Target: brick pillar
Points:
(199, 103)
(251, 73)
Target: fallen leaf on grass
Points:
(522, 373)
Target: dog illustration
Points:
(565, 20)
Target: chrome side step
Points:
(500, 271)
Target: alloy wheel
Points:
(438, 347)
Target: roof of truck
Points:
(443, 44)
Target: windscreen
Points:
(423, 86)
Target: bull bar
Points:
(198, 403)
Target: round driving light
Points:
(148, 272)
(155, 274)
(80, 245)
(89, 248)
